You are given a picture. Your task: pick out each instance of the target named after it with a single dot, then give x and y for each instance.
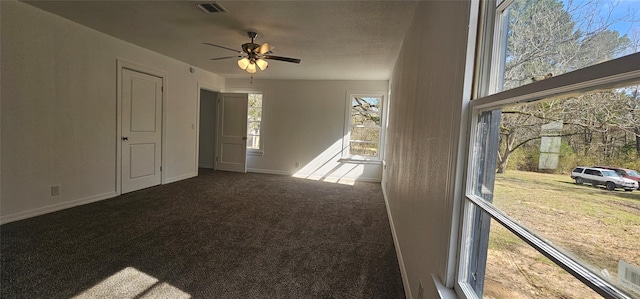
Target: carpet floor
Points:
(218, 235)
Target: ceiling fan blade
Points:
(234, 50)
(280, 58)
(227, 57)
(265, 48)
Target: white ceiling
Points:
(336, 40)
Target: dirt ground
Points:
(594, 225)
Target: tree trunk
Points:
(504, 159)
(502, 163)
(637, 131)
(588, 137)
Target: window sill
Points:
(255, 153)
(443, 291)
(359, 161)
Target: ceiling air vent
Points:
(211, 7)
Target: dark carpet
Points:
(219, 235)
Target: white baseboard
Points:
(180, 178)
(268, 171)
(56, 207)
(372, 180)
(403, 270)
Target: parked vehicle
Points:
(602, 177)
(624, 172)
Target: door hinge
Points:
(160, 168)
(216, 159)
(161, 88)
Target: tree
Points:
(365, 126)
(545, 39)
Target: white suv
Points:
(604, 177)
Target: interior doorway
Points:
(208, 127)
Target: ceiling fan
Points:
(253, 55)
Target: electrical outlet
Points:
(55, 190)
(420, 290)
(297, 165)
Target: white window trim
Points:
(607, 75)
(346, 156)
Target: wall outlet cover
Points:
(55, 190)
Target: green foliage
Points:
(625, 159)
(525, 159)
(568, 159)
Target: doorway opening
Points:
(208, 128)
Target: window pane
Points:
(546, 180)
(255, 114)
(254, 120)
(366, 111)
(253, 128)
(517, 270)
(253, 142)
(255, 100)
(368, 149)
(544, 38)
(365, 134)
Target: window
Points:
(558, 88)
(254, 122)
(363, 129)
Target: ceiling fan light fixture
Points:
(253, 56)
(262, 64)
(251, 68)
(244, 63)
(265, 48)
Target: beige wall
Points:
(424, 130)
(59, 111)
(303, 122)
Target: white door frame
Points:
(122, 64)
(207, 87)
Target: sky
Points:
(629, 10)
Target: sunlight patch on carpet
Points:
(328, 167)
(132, 283)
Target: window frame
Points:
(609, 74)
(346, 155)
(260, 150)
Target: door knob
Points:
(125, 138)
(244, 138)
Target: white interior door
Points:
(141, 130)
(232, 132)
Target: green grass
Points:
(595, 225)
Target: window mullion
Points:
(609, 74)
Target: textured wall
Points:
(59, 111)
(424, 128)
